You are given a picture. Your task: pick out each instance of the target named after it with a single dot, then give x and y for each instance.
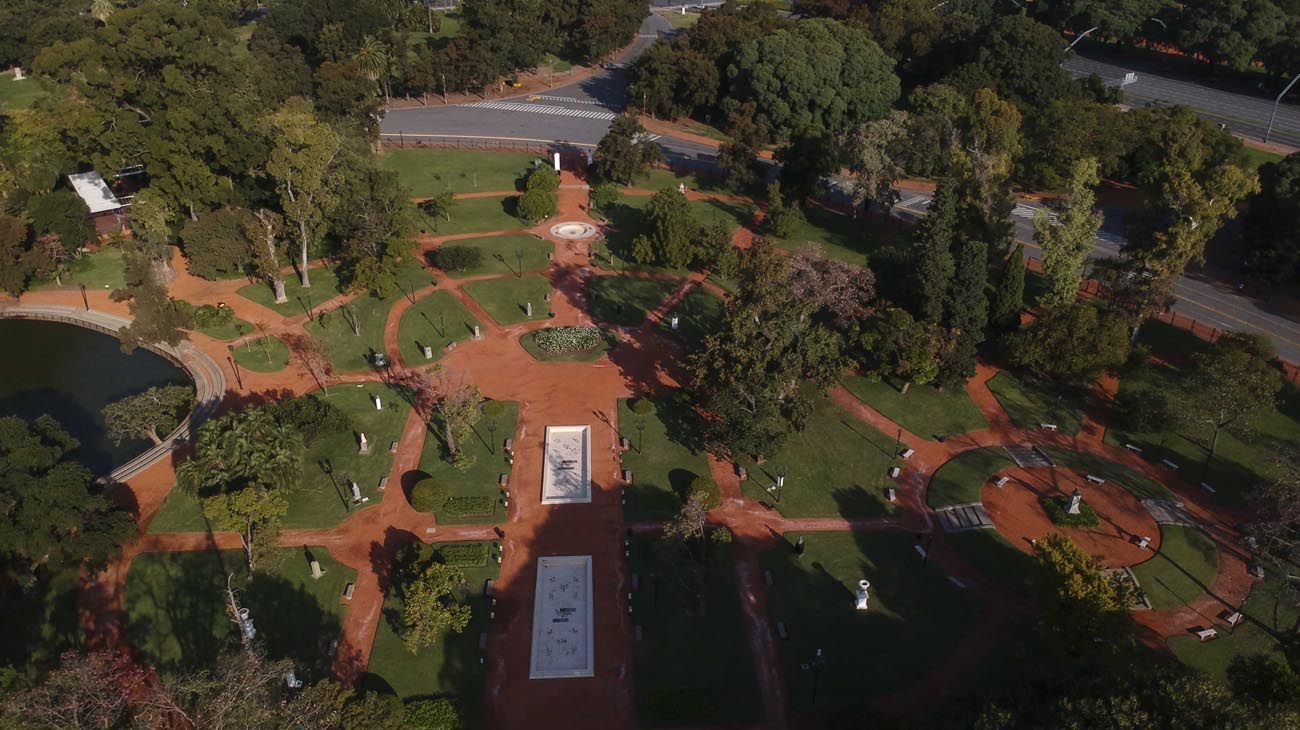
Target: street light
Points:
(816, 665)
(640, 434)
(781, 472)
(1276, 102)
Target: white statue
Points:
(863, 595)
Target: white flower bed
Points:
(557, 340)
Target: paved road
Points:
(579, 114)
(1245, 114)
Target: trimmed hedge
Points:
(457, 258)
(466, 506)
(1056, 507)
(568, 339)
(463, 554)
(428, 495)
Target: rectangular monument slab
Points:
(562, 619)
(566, 467)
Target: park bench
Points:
(891, 494)
(383, 483)
(1170, 464)
(1134, 449)
(1208, 489)
(510, 445)
(1048, 426)
(625, 443)
(957, 582)
(639, 635)
(1001, 482)
(1207, 634)
(743, 473)
(894, 472)
(489, 588)
(907, 453)
(1144, 543)
(920, 550)
(347, 591)
(1234, 618)
(392, 447)
(1096, 479)
(627, 475)
(503, 480)
(767, 578)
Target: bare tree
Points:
(312, 356)
(85, 691)
(460, 408)
(843, 290)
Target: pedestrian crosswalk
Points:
(567, 99)
(510, 106)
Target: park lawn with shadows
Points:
(323, 497)
(263, 355)
(664, 458)
(451, 667)
(624, 300)
(837, 468)
(352, 332)
(100, 270)
(961, 479)
(915, 616)
(693, 662)
(232, 330)
(511, 254)
(996, 559)
(700, 312)
(658, 179)
(924, 410)
(506, 299)
(627, 221)
(1271, 617)
(1169, 343)
(711, 211)
(324, 287)
(1031, 402)
(1243, 461)
(841, 238)
(478, 215)
(1183, 569)
(1140, 485)
(176, 617)
(528, 341)
(473, 493)
(42, 620)
(17, 95)
(434, 320)
(428, 172)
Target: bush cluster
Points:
(462, 554)
(707, 490)
(457, 258)
(568, 339)
(1055, 507)
(312, 417)
(428, 495)
(467, 506)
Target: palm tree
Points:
(101, 10)
(372, 59)
(248, 447)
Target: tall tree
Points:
(1069, 240)
(90, 690)
(431, 606)
(933, 265)
(254, 512)
(1081, 602)
(806, 160)
(875, 162)
(967, 307)
(459, 405)
(896, 345)
(1271, 228)
(249, 447)
(1072, 342)
(1230, 385)
(625, 151)
(673, 237)
(304, 166)
(1009, 294)
(145, 414)
(155, 316)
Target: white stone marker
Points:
(365, 444)
(528, 309)
(674, 322)
(863, 595)
(356, 492)
(316, 571)
(478, 334)
(428, 351)
(1075, 500)
(379, 405)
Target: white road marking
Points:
(511, 106)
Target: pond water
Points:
(71, 373)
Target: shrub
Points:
(431, 715)
(472, 506)
(536, 205)
(457, 258)
(707, 490)
(643, 407)
(721, 536)
(603, 196)
(568, 339)
(312, 416)
(544, 178)
(212, 316)
(1055, 507)
(428, 495)
(1145, 410)
(462, 554)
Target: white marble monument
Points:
(566, 468)
(562, 619)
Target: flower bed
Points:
(1056, 508)
(556, 340)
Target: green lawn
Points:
(503, 254)
(925, 411)
(1142, 487)
(505, 299)
(626, 301)
(232, 330)
(43, 620)
(528, 341)
(175, 607)
(840, 236)
(475, 489)
(350, 349)
(434, 320)
(478, 215)
(1170, 343)
(700, 312)
(1030, 402)
(263, 355)
(451, 667)
(1270, 613)
(429, 172)
(996, 558)
(693, 662)
(324, 286)
(961, 479)
(614, 253)
(916, 616)
(730, 213)
(98, 270)
(1243, 461)
(664, 458)
(1255, 158)
(1183, 570)
(15, 95)
(656, 179)
(837, 468)
(682, 20)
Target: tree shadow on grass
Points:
(176, 609)
(291, 623)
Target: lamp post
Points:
(781, 472)
(816, 665)
(640, 434)
(1276, 102)
(84, 300)
(492, 436)
(898, 441)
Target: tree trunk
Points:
(451, 440)
(1214, 441)
(247, 539)
(277, 283)
(302, 259)
(153, 435)
(906, 385)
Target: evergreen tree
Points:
(624, 151)
(1067, 242)
(1009, 298)
(968, 309)
(933, 263)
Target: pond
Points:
(71, 373)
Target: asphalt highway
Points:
(579, 114)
